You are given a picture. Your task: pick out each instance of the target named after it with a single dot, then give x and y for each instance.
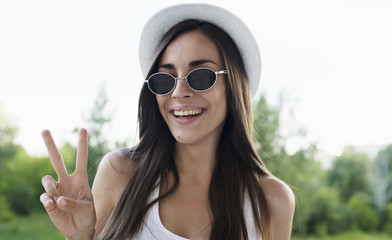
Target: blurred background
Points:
(322, 110)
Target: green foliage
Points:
(20, 198)
(21, 174)
(7, 134)
(382, 179)
(326, 211)
(21, 181)
(5, 213)
(328, 202)
(364, 216)
(388, 219)
(306, 177)
(319, 208)
(349, 235)
(69, 155)
(387, 152)
(322, 229)
(350, 174)
(14, 185)
(98, 145)
(266, 129)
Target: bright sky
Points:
(332, 59)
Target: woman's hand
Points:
(69, 201)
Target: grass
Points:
(37, 226)
(352, 235)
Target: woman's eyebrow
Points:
(194, 63)
(167, 65)
(200, 62)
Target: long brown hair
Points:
(238, 168)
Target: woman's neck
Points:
(196, 161)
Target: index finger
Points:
(55, 157)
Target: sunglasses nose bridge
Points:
(180, 78)
(181, 88)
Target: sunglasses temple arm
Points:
(221, 72)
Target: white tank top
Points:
(153, 228)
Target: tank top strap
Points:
(249, 218)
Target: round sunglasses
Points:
(199, 79)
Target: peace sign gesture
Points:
(69, 201)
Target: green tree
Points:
(69, 154)
(300, 170)
(21, 182)
(388, 219)
(327, 213)
(5, 213)
(308, 181)
(266, 130)
(350, 174)
(96, 120)
(364, 216)
(7, 135)
(7, 151)
(382, 179)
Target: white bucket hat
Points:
(161, 22)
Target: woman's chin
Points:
(185, 138)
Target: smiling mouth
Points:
(187, 113)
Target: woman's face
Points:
(205, 111)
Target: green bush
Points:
(388, 219)
(364, 216)
(328, 213)
(21, 198)
(5, 213)
(21, 181)
(350, 174)
(322, 229)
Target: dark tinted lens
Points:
(161, 83)
(201, 79)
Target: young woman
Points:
(194, 173)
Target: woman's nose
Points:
(182, 90)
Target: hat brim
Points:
(161, 22)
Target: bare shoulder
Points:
(119, 161)
(277, 190)
(114, 173)
(281, 203)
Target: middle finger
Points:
(82, 153)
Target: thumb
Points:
(82, 210)
(75, 206)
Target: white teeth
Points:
(187, 112)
